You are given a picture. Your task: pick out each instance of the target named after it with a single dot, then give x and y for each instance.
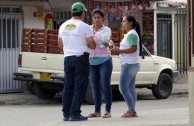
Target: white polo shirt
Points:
(74, 33)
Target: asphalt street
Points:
(25, 109)
(151, 112)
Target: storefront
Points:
(159, 22)
(49, 14)
(142, 10)
(14, 16)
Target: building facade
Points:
(14, 16)
(159, 24)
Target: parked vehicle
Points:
(42, 69)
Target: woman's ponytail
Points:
(137, 28)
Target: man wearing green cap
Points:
(75, 37)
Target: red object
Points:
(146, 3)
(140, 4)
(48, 16)
(90, 5)
(20, 60)
(34, 14)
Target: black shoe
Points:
(66, 119)
(78, 118)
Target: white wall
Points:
(29, 20)
(62, 4)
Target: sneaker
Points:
(78, 118)
(66, 119)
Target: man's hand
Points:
(60, 43)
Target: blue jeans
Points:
(127, 84)
(75, 84)
(100, 77)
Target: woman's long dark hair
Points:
(98, 11)
(136, 26)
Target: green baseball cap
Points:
(78, 7)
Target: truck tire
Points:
(164, 86)
(43, 93)
(89, 95)
(29, 86)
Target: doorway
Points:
(10, 32)
(164, 35)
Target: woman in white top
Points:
(130, 48)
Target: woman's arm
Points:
(131, 49)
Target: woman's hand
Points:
(106, 44)
(115, 50)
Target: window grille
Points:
(10, 10)
(60, 17)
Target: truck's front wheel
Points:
(89, 94)
(163, 88)
(43, 93)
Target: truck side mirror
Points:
(143, 54)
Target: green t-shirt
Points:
(132, 39)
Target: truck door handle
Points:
(43, 58)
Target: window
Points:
(60, 17)
(9, 27)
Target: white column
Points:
(191, 74)
(191, 97)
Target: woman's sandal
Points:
(107, 115)
(129, 115)
(94, 115)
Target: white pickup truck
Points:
(43, 73)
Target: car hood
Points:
(165, 61)
(162, 58)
